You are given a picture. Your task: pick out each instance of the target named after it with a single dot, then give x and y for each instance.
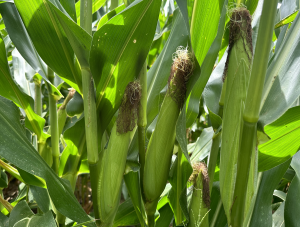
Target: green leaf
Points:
(41, 197)
(159, 73)
(126, 215)
(165, 216)
(69, 6)
(206, 37)
(110, 15)
(262, 212)
(22, 41)
(133, 186)
(45, 220)
(10, 90)
(118, 52)
(284, 143)
(4, 221)
(292, 208)
(3, 180)
(50, 39)
(181, 202)
(282, 73)
(251, 5)
(217, 216)
(75, 144)
(12, 139)
(213, 88)
(278, 216)
(20, 211)
(287, 20)
(96, 6)
(202, 145)
(79, 39)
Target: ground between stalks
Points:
(128, 111)
(239, 27)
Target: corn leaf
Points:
(22, 215)
(110, 15)
(284, 143)
(287, 20)
(159, 73)
(126, 215)
(165, 216)
(22, 41)
(50, 39)
(118, 52)
(13, 140)
(282, 73)
(206, 42)
(79, 39)
(292, 208)
(278, 216)
(262, 212)
(96, 6)
(10, 90)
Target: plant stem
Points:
(90, 112)
(53, 123)
(179, 187)
(6, 204)
(86, 13)
(142, 121)
(151, 220)
(37, 107)
(260, 61)
(243, 169)
(251, 111)
(213, 157)
(38, 99)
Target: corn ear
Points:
(237, 74)
(113, 159)
(200, 203)
(62, 113)
(160, 147)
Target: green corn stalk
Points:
(160, 147)
(237, 74)
(53, 123)
(113, 159)
(200, 203)
(251, 114)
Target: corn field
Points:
(151, 113)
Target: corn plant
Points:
(169, 113)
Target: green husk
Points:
(62, 113)
(237, 74)
(160, 147)
(200, 202)
(113, 159)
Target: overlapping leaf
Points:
(19, 36)
(118, 52)
(15, 147)
(284, 143)
(50, 39)
(10, 90)
(206, 37)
